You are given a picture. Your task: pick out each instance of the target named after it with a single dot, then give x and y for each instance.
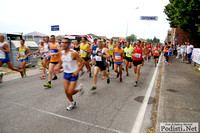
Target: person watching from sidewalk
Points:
(189, 52)
(170, 55)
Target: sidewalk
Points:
(18, 75)
(179, 99)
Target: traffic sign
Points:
(175, 38)
(154, 18)
(55, 28)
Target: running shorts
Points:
(101, 65)
(118, 63)
(156, 57)
(136, 63)
(5, 60)
(68, 76)
(54, 63)
(22, 60)
(128, 59)
(86, 58)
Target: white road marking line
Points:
(138, 122)
(68, 118)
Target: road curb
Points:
(160, 101)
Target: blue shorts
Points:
(68, 76)
(44, 57)
(170, 54)
(22, 60)
(5, 60)
(118, 63)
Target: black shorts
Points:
(166, 54)
(136, 63)
(129, 59)
(86, 58)
(54, 63)
(156, 57)
(101, 65)
(189, 55)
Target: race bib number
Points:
(98, 58)
(22, 54)
(83, 52)
(156, 51)
(117, 57)
(110, 48)
(2, 55)
(94, 51)
(128, 52)
(149, 48)
(67, 66)
(137, 55)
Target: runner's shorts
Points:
(118, 63)
(22, 60)
(86, 58)
(5, 60)
(68, 76)
(128, 59)
(156, 57)
(136, 63)
(101, 65)
(54, 63)
(166, 54)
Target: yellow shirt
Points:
(83, 47)
(22, 52)
(111, 47)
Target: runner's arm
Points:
(145, 51)
(107, 54)
(123, 54)
(89, 49)
(37, 51)
(7, 49)
(29, 52)
(79, 59)
(132, 54)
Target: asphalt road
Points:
(27, 107)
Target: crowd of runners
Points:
(69, 58)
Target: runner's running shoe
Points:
(93, 88)
(80, 88)
(54, 78)
(135, 84)
(42, 76)
(71, 106)
(108, 81)
(103, 77)
(47, 85)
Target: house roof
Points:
(35, 33)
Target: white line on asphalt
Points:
(138, 122)
(68, 118)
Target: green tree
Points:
(131, 38)
(185, 14)
(154, 40)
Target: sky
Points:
(108, 18)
